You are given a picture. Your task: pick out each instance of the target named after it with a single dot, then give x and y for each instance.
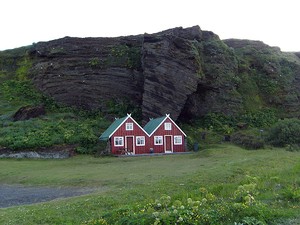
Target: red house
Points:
(165, 136)
(161, 135)
(125, 136)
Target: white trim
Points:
(175, 124)
(167, 116)
(168, 126)
(165, 145)
(128, 116)
(158, 126)
(142, 138)
(119, 137)
(133, 141)
(178, 136)
(160, 137)
(128, 126)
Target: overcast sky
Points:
(23, 22)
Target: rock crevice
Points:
(185, 72)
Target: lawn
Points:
(130, 183)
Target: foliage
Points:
(203, 208)
(285, 132)
(223, 124)
(16, 90)
(128, 56)
(259, 119)
(23, 68)
(195, 51)
(121, 107)
(248, 140)
(55, 129)
(290, 193)
(120, 55)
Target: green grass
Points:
(135, 181)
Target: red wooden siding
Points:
(166, 134)
(129, 139)
(130, 143)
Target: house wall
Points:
(162, 132)
(122, 132)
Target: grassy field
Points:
(131, 182)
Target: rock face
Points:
(170, 70)
(90, 72)
(185, 72)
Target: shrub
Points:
(248, 141)
(285, 132)
(203, 208)
(290, 193)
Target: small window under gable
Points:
(168, 126)
(119, 141)
(140, 141)
(177, 140)
(158, 140)
(129, 126)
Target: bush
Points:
(204, 208)
(285, 132)
(248, 141)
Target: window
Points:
(119, 141)
(140, 141)
(129, 126)
(178, 140)
(158, 140)
(168, 126)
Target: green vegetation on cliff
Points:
(229, 85)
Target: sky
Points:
(23, 22)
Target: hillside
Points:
(206, 84)
(186, 72)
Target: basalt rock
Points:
(174, 71)
(185, 72)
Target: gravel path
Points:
(14, 195)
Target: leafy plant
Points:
(285, 132)
(203, 208)
(247, 140)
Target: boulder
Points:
(28, 112)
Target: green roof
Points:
(111, 129)
(153, 124)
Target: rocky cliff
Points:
(185, 72)
(179, 71)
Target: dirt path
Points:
(14, 195)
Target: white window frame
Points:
(141, 139)
(168, 126)
(116, 139)
(157, 138)
(176, 139)
(129, 126)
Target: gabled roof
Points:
(115, 126)
(154, 124)
(112, 128)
